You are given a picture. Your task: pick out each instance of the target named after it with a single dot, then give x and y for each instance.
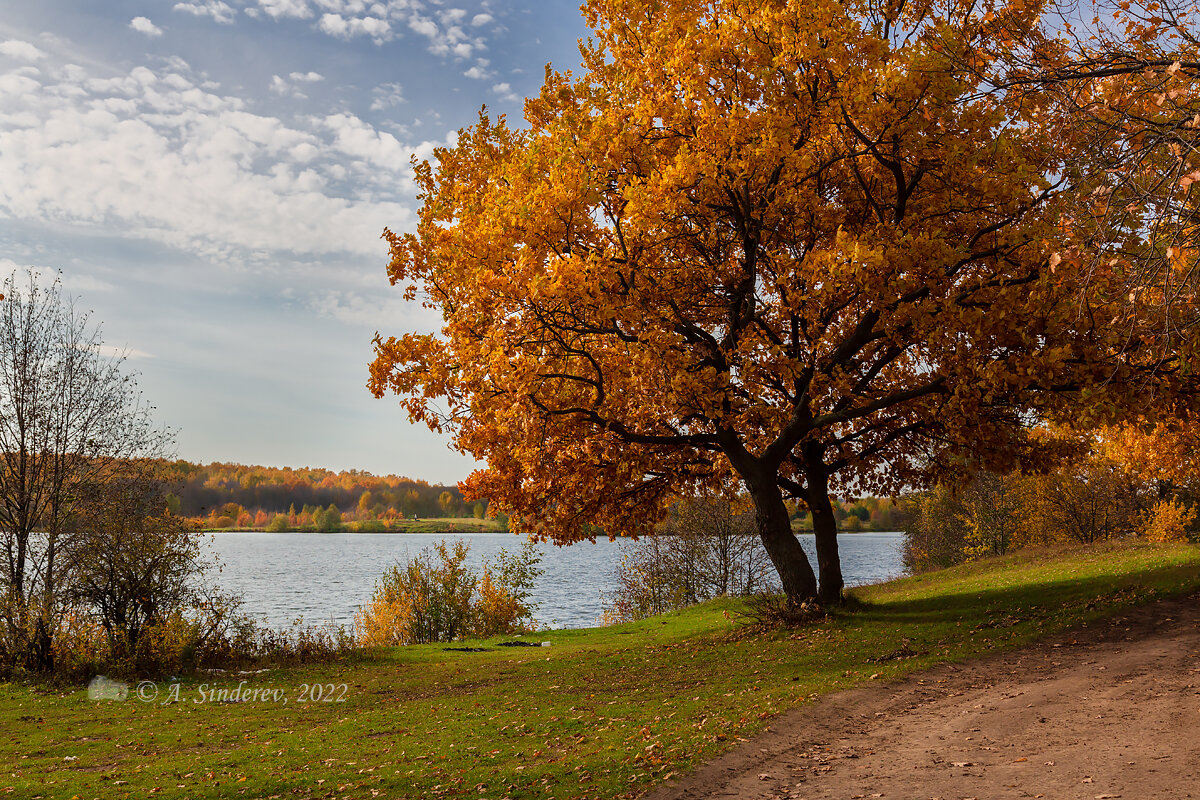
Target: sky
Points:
(211, 179)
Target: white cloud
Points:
(356, 138)
(504, 90)
(424, 26)
(384, 20)
(21, 51)
(144, 25)
(375, 8)
(304, 152)
(280, 86)
(129, 353)
(447, 40)
(479, 72)
(281, 9)
(349, 27)
(157, 156)
(386, 96)
(334, 25)
(219, 11)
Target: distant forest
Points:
(282, 498)
(238, 496)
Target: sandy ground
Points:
(1106, 711)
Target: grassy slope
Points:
(600, 713)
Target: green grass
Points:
(446, 525)
(601, 713)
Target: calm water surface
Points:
(323, 577)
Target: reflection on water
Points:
(324, 577)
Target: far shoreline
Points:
(419, 527)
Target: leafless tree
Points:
(717, 548)
(69, 414)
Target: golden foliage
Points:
(1090, 499)
(435, 597)
(811, 247)
(1169, 521)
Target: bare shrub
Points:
(704, 549)
(772, 611)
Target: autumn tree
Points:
(327, 520)
(1093, 500)
(446, 501)
(804, 248)
(1163, 453)
(1125, 76)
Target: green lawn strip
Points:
(600, 713)
(445, 525)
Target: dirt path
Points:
(1106, 711)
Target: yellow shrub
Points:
(386, 620)
(1168, 521)
(497, 610)
(79, 645)
(435, 597)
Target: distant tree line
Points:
(857, 514)
(224, 495)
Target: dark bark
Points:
(775, 529)
(41, 648)
(829, 561)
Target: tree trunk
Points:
(829, 561)
(41, 650)
(775, 530)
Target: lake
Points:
(326, 577)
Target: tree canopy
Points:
(801, 248)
